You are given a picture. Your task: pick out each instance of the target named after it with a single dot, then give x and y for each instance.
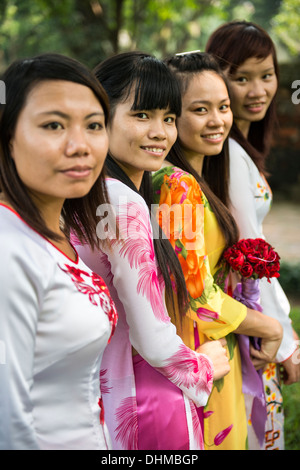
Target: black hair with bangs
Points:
(120, 73)
(155, 87)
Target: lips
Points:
(214, 137)
(255, 106)
(78, 171)
(154, 150)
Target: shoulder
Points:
(178, 183)
(238, 156)
(170, 172)
(120, 194)
(20, 246)
(129, 207)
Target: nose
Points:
(256, 89)
(215, 119)
(77, 145)
(157, 130)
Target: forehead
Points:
(204, 84)
(257, 63)
(62, 93)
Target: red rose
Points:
(260, 268)
(253, 258)
(247, 270)
(245, 246)
(237, 261)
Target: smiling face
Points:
(60, 141)
(139, 140)
(206, 117)
(252, 89)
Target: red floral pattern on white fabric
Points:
(97, 291)
(137, 247)
(127, 429)
(189, 370)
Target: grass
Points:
(291, 399)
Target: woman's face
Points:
(140, 140)
(60, 141)
(206, 117)
(252, 89)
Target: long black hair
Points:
(20, 78)
(213, 183)
(231, 45)
(154, 88)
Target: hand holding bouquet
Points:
(253, 259)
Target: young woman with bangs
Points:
(152, 380)
(247, 57)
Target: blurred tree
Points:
(91, 30)
(286, 25)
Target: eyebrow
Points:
(209, 102)
(66, 116)
(247, 72)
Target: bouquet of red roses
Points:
(253, 259)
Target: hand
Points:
(291, 368)
(269, 345)
(217, 353)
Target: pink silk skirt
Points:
(162, 423)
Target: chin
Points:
(214, 151)
(155, 166)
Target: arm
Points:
(18, 323)
(216, 313)
(269, 331)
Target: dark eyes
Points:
(54, 126)
(168, 119)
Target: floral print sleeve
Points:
(182, 216)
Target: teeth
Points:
(213, 136)
(153, 149)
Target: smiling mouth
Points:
(215, 137)
(255, 105)
(154, 150)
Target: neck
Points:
(50, 212)
(244, 127)
(134, 174)
(196, 161)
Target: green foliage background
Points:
(91, 30)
